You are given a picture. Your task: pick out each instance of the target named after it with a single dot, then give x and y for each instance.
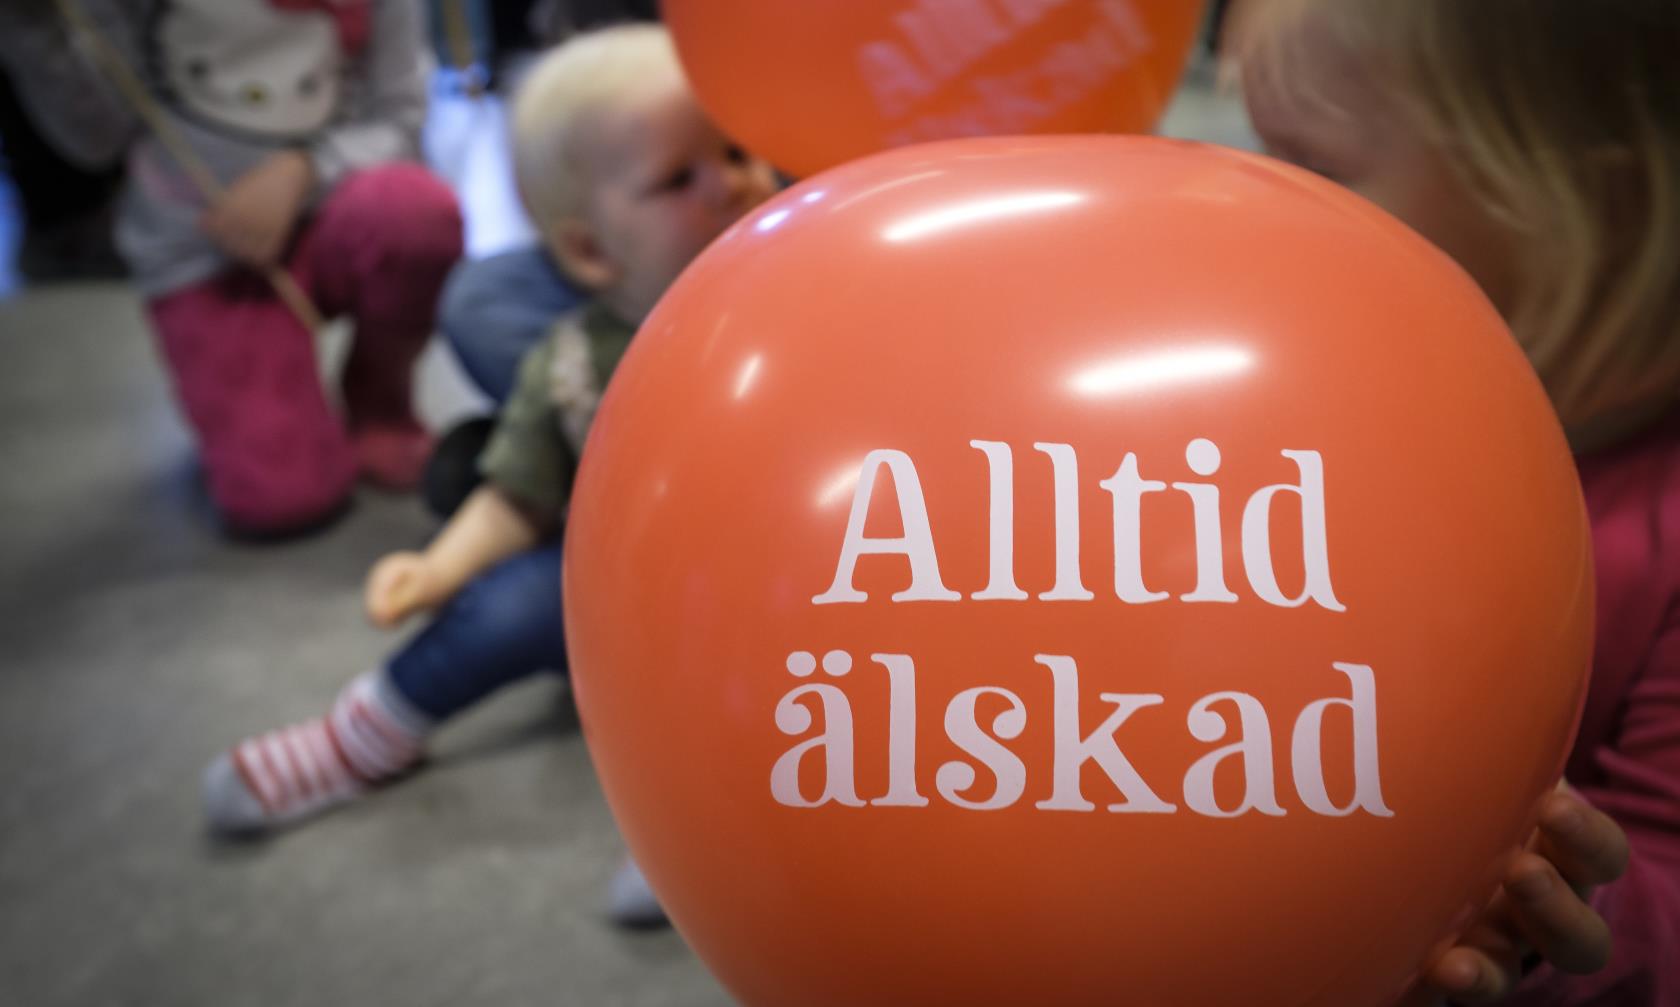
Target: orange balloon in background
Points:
(1075, 571)
(813, 83)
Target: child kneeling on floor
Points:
(628, 182)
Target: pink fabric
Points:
(276, 453)
(353, 18)
(1627, 758)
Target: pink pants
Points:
(276, 453)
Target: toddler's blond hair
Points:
(1564, 117)
(583, 77)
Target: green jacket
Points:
(533, 454)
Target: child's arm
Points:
(487, 529)
(253, 219)
(527, 469)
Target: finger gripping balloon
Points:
(1028, 571)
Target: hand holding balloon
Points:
(252, 221)
(1542, 905)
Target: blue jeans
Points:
(495, 308)
(503, 626)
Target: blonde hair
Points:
(573, 84)
(1563, 117)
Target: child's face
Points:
(663, 183)
(1367, 141)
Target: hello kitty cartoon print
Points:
(269, 69)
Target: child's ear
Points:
(574, 245)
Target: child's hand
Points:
(1542, 907)
(253, 219)
(398, 586)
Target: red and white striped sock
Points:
(370, 735)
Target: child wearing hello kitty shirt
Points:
(308, 112)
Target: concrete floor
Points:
(135, 643)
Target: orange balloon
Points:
(813, 83)
(1075, 571)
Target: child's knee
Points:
(405, 212)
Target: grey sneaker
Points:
(630, 902)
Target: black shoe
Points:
(452, 474)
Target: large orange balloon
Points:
(1074, 571)
(809, 84)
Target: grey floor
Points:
(135, 643)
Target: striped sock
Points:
(370, 735)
